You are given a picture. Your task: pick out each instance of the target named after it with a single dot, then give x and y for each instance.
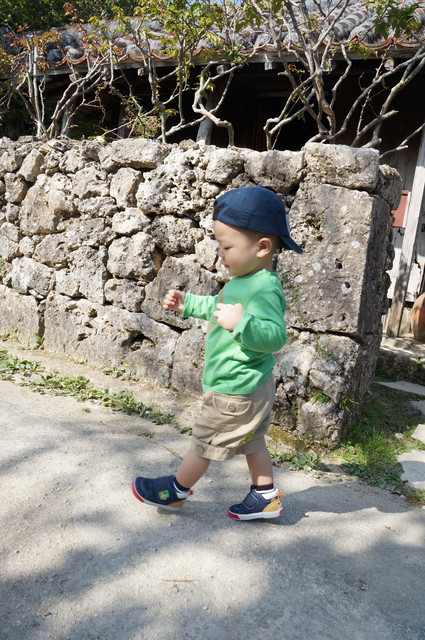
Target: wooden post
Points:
(409, 243)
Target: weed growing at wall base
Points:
(78, 387)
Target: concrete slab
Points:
(405, 346)
(419, 432)
(405, 387)
(413, 464)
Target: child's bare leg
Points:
(191, 469)
(260, 468)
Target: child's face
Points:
(239, 249)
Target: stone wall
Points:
(92, 235)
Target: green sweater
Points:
(239, 361)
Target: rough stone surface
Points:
(188, 363)
(389, 185)
(19, 316)
(338, 284)
(123, 186)
(223, 165)
(343, 166)
(15, 188)
(130, 221)
(133, 257)
(138, 153)
(86, 275)
(124, 294)
(31, 166)
(27, 275)
(177, 273)
(277, 170)
(9, 241)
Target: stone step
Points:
(406, 387)
(419, 432)
(413, 464)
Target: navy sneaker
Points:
(256, 506)
(159, 492)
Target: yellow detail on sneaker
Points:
(176, 505)
(164, 495)
(274, 504)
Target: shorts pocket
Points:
(229, 406)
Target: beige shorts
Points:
(230, 425)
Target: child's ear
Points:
(265, 246)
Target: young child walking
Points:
(246, 325)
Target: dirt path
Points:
(82, 559)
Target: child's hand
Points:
(174, 300)
(228, 315)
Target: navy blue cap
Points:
(257, 209)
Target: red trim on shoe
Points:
(233, 515)
(136, 495)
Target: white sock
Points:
(181, 494)
(268, 494)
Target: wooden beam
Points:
(409, 243)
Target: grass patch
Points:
(370, 449)
(382, 432)
(33, 375)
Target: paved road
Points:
(82, 559)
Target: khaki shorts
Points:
(230, 425)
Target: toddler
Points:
(246, 325)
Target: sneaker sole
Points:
(255, 516)
(155, 504)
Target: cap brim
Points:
(288, 243)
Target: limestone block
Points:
(71, 161)
(138, 153)
(12, 212)
(10, 231)
(389, 185)
(109, 336)
(16, 188)
(10, 161)
(173, 188)
(124, 294)
(133, 257)
(9, 241)
(206, 253)
(93, 233)
(130, 221)
(188, 363)
(337, 284)
(19, 313)
(342, 165)
(86, 275)
(53, 250)
(27, 275)
(31, 166)
(26, 246)
(52, 161)
(277, 170)
(177, 273)
(174, 235)
(90, 182)
(104, 207)
(123, 186)
(154, 357)
(46, 205)
(223, 165)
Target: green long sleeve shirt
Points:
(239, 361)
